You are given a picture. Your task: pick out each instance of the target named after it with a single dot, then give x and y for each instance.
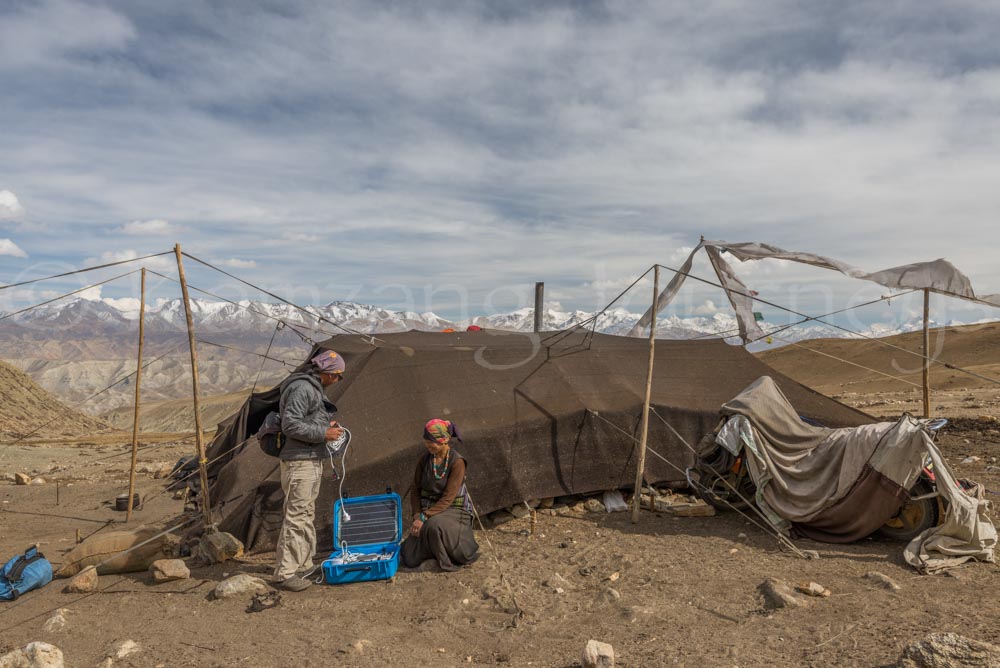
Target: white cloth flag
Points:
(938, 276)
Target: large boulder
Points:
(950, 650)
(217, 547)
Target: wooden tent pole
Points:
(927, 353)
(641, 468)
(539, 305)
(202, 461)
(138, 382)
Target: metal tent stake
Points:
(138, 383)
(641, 468)
(202, 462)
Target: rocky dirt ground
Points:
(664, 592)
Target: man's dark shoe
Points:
(294, 583)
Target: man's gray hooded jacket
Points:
(304, 417)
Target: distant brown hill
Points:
(177, 415)
(973, 347)
(24, 407)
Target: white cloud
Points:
(300, 237)
(492, 148)
(8, 247)
(156, 226)
(707, 308)
(10, 207)
(159, 263)
(54, 29)
(237, 263)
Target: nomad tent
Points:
(541, 416)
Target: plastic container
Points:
(368, 542)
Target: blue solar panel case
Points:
(375, 528)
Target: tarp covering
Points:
(966, 533)
(523, 404)
(938, 276)
(840, 485)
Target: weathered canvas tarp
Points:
(840, 485)
(524, 405)
(938, 276)
(966, 533)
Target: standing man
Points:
(307, 427)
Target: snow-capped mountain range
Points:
(77, 349)
(254, 319)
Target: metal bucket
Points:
(121, 502)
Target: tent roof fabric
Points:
(524, 404)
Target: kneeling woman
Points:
(442, 512)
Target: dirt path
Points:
(687, 591)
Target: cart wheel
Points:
(914, 517)
(718, 494)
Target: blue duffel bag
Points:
(23, 573)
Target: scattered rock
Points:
(501, 517)
(120, 649)
(22, 479)
(613, 577)
(697, 508)
(180, 493)
(609, 595)
(217, 547)
(165, 570)
(107, 663)
(575, 509)
(558, 583)
(37, 481)
(733, 550)
(810, 554)
(361, 645)
(598, 654)
(882, 580)
(614, 502)
(949, 650)
(163, 471)
(533, 503)
(519, 510)
(594, 506)
(546, 503)
(813, 589)
(57, 622)
(33, 655)
(970, 460)
(239, 585)
(778, 594)
(83, 582)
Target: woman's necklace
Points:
(441, 470)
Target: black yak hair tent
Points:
(525, 405)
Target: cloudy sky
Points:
(446, 155)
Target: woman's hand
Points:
(416, 526)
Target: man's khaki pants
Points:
(297, 541)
